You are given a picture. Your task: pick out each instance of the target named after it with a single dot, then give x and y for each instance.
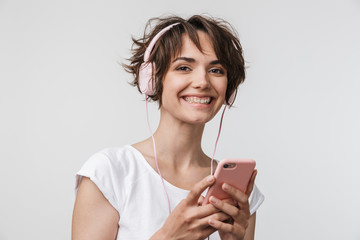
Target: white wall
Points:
(63, 96)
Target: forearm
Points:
(250, 231)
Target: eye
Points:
(183, 68)
(217, 71)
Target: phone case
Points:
(236, 172)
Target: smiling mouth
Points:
(199, 100)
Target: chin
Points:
(200, 120)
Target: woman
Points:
(153, 189)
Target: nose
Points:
(201, 80)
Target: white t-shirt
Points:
(134, 189)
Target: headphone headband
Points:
(154, 40)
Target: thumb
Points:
(198, 188)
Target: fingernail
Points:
(226, 187)
(211, 222)
(213, 200)
(210, 179)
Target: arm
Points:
(250, 231)
(93, 217)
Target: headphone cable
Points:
(155, 155)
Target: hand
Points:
(189, 220)
(240, 214)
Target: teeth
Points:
(205, 100)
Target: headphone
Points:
(146, 81)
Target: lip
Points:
(198, 105)
(197, 95)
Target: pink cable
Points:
(217, 139)
(216, 142)
(155, 155)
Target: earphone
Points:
(146, 86)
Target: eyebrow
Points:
(184, 58)
(215, 62)
(193, 60)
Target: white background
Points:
(64, 96)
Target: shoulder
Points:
(108, 169)
(110, 158)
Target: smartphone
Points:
(236, 172)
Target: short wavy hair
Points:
(224, 40)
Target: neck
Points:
(178, 144)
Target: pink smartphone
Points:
(236, 172)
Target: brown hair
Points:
(224, 40)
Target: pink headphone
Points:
(146, 83)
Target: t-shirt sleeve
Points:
(255, 200)
(99, 168)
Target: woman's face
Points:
(195, 85)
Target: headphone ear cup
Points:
(231, 99)
(146, 78)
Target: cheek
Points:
(173, 88)
(170, 93)
(221, 87)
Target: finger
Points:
(234, 229)
(225, 207)
(204, 211)
(230, 201)
(236, 194)
(206, 232)
(237, 230)
(199, 187)
(201, 200)
(241, 216)
(219, 225)
(251, 183)
(220, 216)
(199, 212)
